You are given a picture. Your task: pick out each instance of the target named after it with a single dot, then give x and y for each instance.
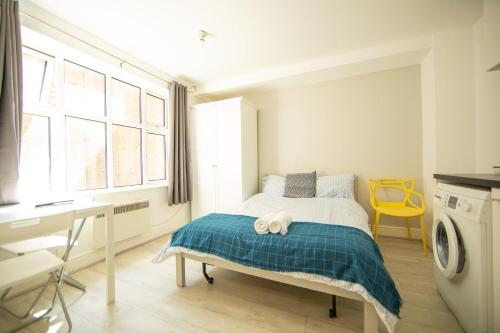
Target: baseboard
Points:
(398, 232)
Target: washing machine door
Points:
(449, 251)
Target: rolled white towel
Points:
(279, 223)
(261, 225)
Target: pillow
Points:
(300, 185)
(274, 185)
(338, 186)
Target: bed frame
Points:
(370, 315)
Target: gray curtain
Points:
(11, 100)
(179, 163)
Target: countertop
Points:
(482, 180)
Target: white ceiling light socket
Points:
(202, 34)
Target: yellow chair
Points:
(406, 208)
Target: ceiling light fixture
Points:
(202, 34)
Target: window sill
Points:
(123, 189)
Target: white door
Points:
(228, 156)
(202, 156)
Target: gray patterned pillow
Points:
(300, 185)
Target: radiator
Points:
(131, 219)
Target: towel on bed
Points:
(261, 225)
(279, 223)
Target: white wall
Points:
(461, 100)
(448, 109)
(369, 125)
(487, 121)
(429, 158)
(454, 93)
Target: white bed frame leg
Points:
(370, 318)
(180, 270)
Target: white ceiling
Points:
(248, 36)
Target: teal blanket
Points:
(333, 251)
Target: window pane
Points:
(83, 90)
(85, 154)
(125, 101)
(127, 166)
(155, 110)
(39, 88)
(35, 153)
(155, 156)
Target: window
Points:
(155, 140)
(85, 154)
(155, 152)
(39, 100)
(88, 125)
(126, 156)
(155, 110)
(83, 90)
(125, 102)
(38, 81)
(35, 152)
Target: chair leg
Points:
(408, 227)
(372, 229)
(377, 221)
(39, 315)
(61, 299)
(72, 281)
(32, 306)
(422, 230)
(4, 295)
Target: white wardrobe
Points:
(223, 155)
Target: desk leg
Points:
(110, 256)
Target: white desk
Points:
(13, 213)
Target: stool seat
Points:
(400, 211)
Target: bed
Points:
(329, 248)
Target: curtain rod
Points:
(122, 61)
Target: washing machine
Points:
(461, 240)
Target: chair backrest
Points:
(405, 186)
(26, 228)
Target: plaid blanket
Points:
(333, 251)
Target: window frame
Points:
(57, 116)
(46, 110)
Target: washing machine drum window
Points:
(449, 251)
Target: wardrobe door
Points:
(228, 156)
(202, 160)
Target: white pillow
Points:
(273, 185)
(338, 186)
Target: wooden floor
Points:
(149, 301)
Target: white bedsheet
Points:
(321, 210)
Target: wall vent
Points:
(128, 208)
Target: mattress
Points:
(344, 212)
